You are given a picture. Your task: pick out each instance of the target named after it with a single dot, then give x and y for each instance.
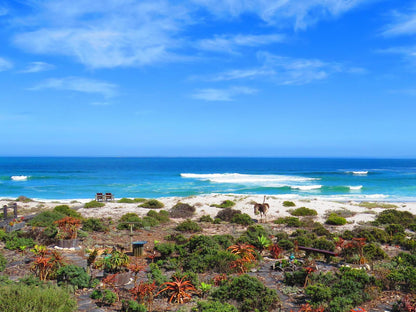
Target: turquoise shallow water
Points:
(337, 179)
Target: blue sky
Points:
(208, 78)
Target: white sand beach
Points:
(244, 203)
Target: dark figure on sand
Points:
(261, 209)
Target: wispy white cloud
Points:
(35, 67)
(105, 34)
(5, 64)
(222, 95)
(114, 33)
(230, 43)
(288, 71)
(297, 13)
(403, 24)
(408, 53)
(78, 84)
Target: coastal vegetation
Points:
(225, 262)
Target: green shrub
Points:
(323, 244)
(165, 249)
(242, 218)
(96, 294)
(93, 224)
(149, 221)
(285, 244)
(129, 217)
(303, 211)
(125, 200)
(24, 199)
(156, 275)
(318, 293)
(133, 306)
(319, 229)
(206, 218)
(374, 252)
(181, 210)
(335, 219)
(289, 221)
(109, 297)
(162, 216)
(94, 204)
(370, 205)
(287, 203)
(225, 204)
(46, 218)
(73, 275)
(188, 226)
(214, 306)
(23, 298)
(3, 262)
(249, 293)
(250, 236)
(15, 242)
(227, 214)
(393, 216)
(371, 234)
(152, 203)
(65, 210)
(393, 229)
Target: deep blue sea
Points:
(337, 179)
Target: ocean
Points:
(286, 178)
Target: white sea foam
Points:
(355, 188)
(251, 179)
(362, 172)
(306, 187)
(19, 178)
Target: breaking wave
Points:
(19, 178)
(254, 179)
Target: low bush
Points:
(206, 218)
(188, 226)
(227, 214)
(374, 252)
(149, 221)
(393, 229)
(129, 217)
(165, 249)
(14, 242)
(371, 205)
(371, 234)
(73, 275)
(320, 230)
(225, 204)
(303, 211)
(323, 244)
(125, 200)
(153, 204)
(133, 306)
(248, 292)
(289, 221)
(335, 219)
(251, 235)
(94, 225)
(94, 204)
(393, 216)
(65, 210)
(3, 262)
(46, 218)
(47, 298)
(285, 244)
(181, 210)
(242, 218)
(287, 203)
(162, 216)
(213, 306)
(24, 199)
